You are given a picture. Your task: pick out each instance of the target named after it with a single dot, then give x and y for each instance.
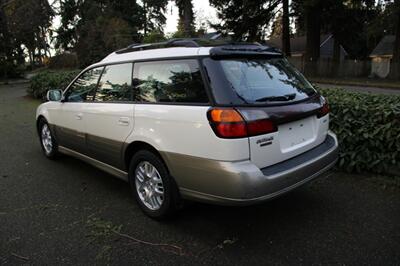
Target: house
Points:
(298, 46)
(381, 56)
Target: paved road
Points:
(66, 212)
(375, 90)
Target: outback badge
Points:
(265, 141)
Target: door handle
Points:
(123, 121)
(79, 116)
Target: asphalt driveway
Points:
(67, 212)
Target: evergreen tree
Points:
(186, 19)
(247, 20)
(66, 32)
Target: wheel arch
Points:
(38, 120)
(138, 145)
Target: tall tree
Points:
(66, 32)
(186, 18)
(247, 20)
(154, 15)
(285, 28)
(277, 27)
(105, 26)
(32, 32)
(312, 10)
(6, 51)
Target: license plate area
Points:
(297, 134)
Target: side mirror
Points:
(54, 95)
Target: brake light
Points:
(324, 110)
(259, 127)
(229, 123)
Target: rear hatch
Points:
(265, 86)
(299, 128)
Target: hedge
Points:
(48, 80)
(368, 130)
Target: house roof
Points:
(297, 44)
(384, 47)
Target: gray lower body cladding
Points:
(242, 183)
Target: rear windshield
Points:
(256, 81)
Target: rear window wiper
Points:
(281, 98)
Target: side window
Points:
(115, 83)
(83, 89)
(169, 81)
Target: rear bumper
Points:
(242, 183)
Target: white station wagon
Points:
(223, 123)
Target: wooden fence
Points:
(327, 68)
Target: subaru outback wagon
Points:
(223, 123)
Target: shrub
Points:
(368, 130)
(49, 80)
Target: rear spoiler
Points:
(245, 51)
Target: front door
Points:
(70, 128)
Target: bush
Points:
(368, 130)
(49, 80)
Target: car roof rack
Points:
(221, 46)
(167, 44)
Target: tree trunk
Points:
(188, 17)
(145, 18)
(286, 29)
(313, 39)
(7, 41)
(395, 64)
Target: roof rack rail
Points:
(148, 46)
(193, 42)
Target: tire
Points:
(47, 141)
(147, 185)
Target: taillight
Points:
(324, 110)
(229, 123)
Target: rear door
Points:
(109, 118)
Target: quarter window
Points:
(83, 89)
(115, 83)
(176, 81)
